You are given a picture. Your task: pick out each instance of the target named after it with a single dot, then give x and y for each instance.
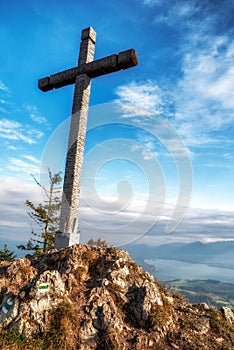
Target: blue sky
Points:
(168, 148)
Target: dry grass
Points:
(61, 333)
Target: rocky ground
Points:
(84, 297)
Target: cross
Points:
(81, 76)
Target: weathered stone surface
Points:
(228, 314)
(106, 65)
(75, 152)
(80, 76)
(98, 298)
(205, 306)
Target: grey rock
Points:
(228, 314)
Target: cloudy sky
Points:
(159, 150)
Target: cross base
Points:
(63, 240)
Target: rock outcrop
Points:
(86, 297)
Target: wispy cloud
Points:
(183, 12)
(35, 133)
(147, 145)
(140, 99)
(4, 88)
(15, 131)
(21, 166)
(11, 147)
(12, 130)
(35, 114)
(228, 156)
(149, 106)
(32, 159)
(117, 227)
(14, 221)
(197, 16)
(147, 153)
(4, 104)
(3, 110)
(202, 94)
(202, 98)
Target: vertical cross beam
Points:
(81, 76)
(71, 187)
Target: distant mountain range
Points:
(214, 293)
(220, 254)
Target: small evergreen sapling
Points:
(6, 254)
(46, 216)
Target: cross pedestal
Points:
(81, 76)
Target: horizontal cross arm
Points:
(106, 65)
(123, 60)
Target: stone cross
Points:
(81, 76)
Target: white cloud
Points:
(140, 99)
(147, 146)
(19, 165)
(3, 87)
(228, 156)
(35, 114)
(15, 131)
(32, 159)
(204, 97)
(12, 130)
(201, 17)
(115, 226)
(186, 13)
(34, 133)
(6, 106)
(14, 221)
(11, 147)
(9, 124)
(147, 155)
(147, 224)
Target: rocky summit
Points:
(88, 297)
